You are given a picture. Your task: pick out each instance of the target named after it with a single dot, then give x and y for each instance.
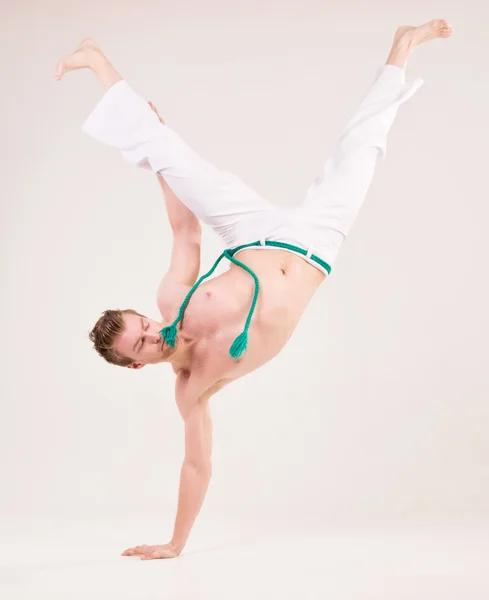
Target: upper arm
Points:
(193, 403)
(187, 234)
(185, 257)
(182, 273)
(198, 436)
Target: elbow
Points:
(204, 469)
(201, 467)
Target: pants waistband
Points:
(285, 246)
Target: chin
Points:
(166, 353)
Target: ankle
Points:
(405, 42)
(106, 73)
(96, 61)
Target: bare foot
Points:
(438, 28)
(85, 56)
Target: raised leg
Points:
(335, 198)
(123, 120)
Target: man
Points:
(214, 331)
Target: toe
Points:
(59, 69)
(445, 25)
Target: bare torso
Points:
(218, 309)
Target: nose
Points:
(154, 338)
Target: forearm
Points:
(193, 488)
(180, 217)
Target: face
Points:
(141, 341)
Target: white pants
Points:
(238, 214)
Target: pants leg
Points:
(122, 119)
(335, 198)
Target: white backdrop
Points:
(378, 407)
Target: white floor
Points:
(75, 560)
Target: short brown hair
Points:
(104, 334)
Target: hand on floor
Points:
(149, 552)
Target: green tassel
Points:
(239, 345)
(170, 334)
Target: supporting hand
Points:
(149, 552)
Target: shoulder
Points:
(169, 298)
(193, 388)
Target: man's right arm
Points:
(196, 470)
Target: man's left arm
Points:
(181, 218)
(185, 256)
(187, 237)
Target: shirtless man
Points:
(213, 332)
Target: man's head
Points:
(129, 339)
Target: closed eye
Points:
(142, 339)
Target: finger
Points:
(133, 550)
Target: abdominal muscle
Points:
(217, 312)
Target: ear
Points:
(135, 365)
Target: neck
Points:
(180, 356)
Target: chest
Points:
(220, 308)
(217, 317)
